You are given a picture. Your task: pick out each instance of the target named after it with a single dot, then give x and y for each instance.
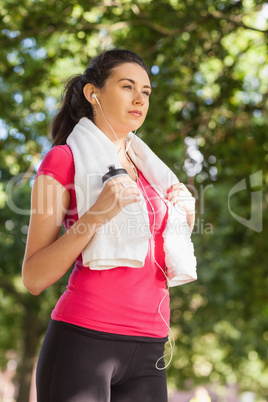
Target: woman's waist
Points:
(137, 289)
(127, 311)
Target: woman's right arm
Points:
(47, 257)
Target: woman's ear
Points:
(89, 90)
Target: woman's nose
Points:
(138, 99)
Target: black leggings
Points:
(74, 366)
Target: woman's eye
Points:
(147, 93)
(128, 86)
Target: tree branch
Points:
(237, 20)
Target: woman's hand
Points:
(180, 195)
(116, 194)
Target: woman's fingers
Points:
(175, 188)
(180, 195)
(124, 188)
(115, 195)
(129, 192)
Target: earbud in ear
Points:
(95, 97)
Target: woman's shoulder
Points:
(57, 155)
(60, 151)
(58, 163)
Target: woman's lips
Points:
(136, 113)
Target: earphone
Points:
(172, 340)
(95, 97)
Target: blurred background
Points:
(207, 120)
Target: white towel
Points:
(123, 241)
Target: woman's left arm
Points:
(178, 193)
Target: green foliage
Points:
(207, 121)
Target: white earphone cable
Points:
(120, 146)
(172, 340)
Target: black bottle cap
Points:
(113, 172)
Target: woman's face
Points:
(124, 99)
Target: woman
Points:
(107, 330)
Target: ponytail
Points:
(74, 104)
(74, 107)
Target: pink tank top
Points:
(122, 300)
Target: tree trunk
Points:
(30, 345)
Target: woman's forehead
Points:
(131, 71)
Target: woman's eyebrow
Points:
(133, 82)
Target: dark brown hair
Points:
(74, 104)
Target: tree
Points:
(207, 121)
